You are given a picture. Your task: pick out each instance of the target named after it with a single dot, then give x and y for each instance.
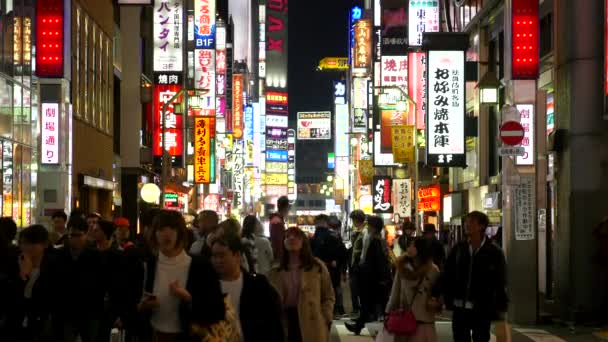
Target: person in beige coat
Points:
(416, 275)
(304, 285)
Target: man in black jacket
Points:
(474, 282)
(252, 296)
(430, 233)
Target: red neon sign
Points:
(174, 139)
(525, 37)
(49, 38)
(429, 198)
(237, 105)
(417, 84)
(276, 97)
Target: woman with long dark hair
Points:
(416, 276)
(179, 290)
(248, 242)
(304, 286)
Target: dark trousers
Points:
(469, 323)
(67, 330)
(339, 306)
(369, 300)
(293, 325)
(354, 290)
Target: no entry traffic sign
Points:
(511, 133)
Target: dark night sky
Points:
(317, 29)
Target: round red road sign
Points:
(511, 133)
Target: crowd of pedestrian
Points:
(89, 279)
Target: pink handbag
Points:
(401, 322)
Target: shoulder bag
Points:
(402, 321)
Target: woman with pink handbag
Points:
(411, 309)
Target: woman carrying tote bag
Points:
(411, 291)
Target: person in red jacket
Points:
(277, 226)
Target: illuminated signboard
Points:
(276, 167)
(402, 192)
(382, 195)
(276, 133)
(417, 85)
(237, 105)
(526, 112)
(277, 121)
(429, 198)
(276, 155)
(49, 38)
(292, 192)
(204, 24)
(334, 63)
(314, 125)
(204, 77)
(342, 141)
(394, 71)
(550, 114)
(173, 123)
(339, 92)
(276, 144)
(423, 17)
(49, 133)
(276, 43)
(525, 39)
(445, 109)
(248, 135)
(204, 145)
(275, 178)
(394, 28)
(167, 33)
(363, 44)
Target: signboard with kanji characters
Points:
(237, 105)
(362, 54)
(49, 132)
(204, 24)
(382, 195)
(173, 123)
(526, 112)
(424, 17)
(276, 43)
(525, 208)
(168, 35)
(204, 131)
(417, 84)
(402, 190)
(314, 125)
(404, 143)
(445, 109)
(394, 28)
(394, 71)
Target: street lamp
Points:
(488, 88)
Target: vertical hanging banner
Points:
(366, 171)
(424, 17)
(204, 24)
(168, 35)
(49, 133)
(417, 85)
(403, 144)
(382, 194)
(360, 96)
(204, 78)
(276, 44)
(248, 135)
(363, 44)
(237, 106)
(526, 112)
(204, 144)
(445, 109)
(173, 123)
(525, 39)
(402, 190)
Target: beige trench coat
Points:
(316, 302)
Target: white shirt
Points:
(234, 289)
(166, 317)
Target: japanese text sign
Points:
(429, 198)
(424, 17)
(526, 112)
(402, 190)
(204, 131)
(167, 33)
(404, 144)
(237, 105)
(445, 109)
(49, 132)
(363, 44)
(382, 195)
(204, 77)
(394, 71)
(314, 125)
(173, 123)
(204, 24)
(417, 84)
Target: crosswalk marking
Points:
(538, 335)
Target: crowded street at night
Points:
(304, 171)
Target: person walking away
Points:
(328, 247)
(277, 227)
(262, 245)
(207, 224)
(59, 235)
(412, 290)
(304, 286)
(78, 308)
(473, 282)
(9, 269)
(123, 233)
(179, 290)
(358, 230)
(248, 242)
(430, 233)
(254, 299)
(31, 318)
(374, 277)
